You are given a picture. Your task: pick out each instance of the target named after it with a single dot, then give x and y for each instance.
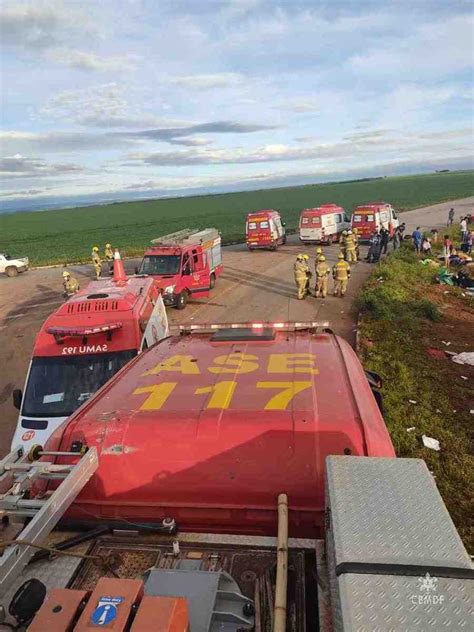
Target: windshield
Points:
(160, 264)
(57, 386)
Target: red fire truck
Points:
(265, 229)
(370, 218)
(185, 264)
(186, 465)
(323, 224)
(82, 344)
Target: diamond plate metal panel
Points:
(375, 602)
(390, 511)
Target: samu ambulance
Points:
(82, 345)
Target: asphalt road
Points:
(253, 287)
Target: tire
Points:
(284, 240)
(274, 246)
(330, 240)
(11, 271)
(182, 300)
(212, 281)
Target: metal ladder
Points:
(174, 238)
(18, 473)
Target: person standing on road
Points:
(374, 249)
(319, 254)
(96, 262)
(341, 273)
(351, 255)
(309, 274)
(70, 285)
(450, 217)
(417, 238)
(384, 239)
(300, 268)
(396, 239)
(356, 241)
(342, 242)
(322, 273)
(109, 257)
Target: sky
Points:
(128, 97)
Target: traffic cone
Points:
(119, 270)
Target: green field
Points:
(67, 235)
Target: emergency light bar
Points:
(67, 332)
(283, 326)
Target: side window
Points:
(305, 220)
(264, 224)
(339, 218)
(195, 256)
(252, 225)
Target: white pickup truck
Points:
(10, 266)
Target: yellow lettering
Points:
(287, 391)
(184, 364)
(292, 363)
(222, 394)
(159, 394)
(234, 363)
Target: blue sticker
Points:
(106, 610)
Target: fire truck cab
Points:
(245, 411)
(265, 229)
(82, 345)
(370, 218)
(323, 224)
(184, 264)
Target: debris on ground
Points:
(445, 343)
(436, 353)
(411, 429)
(412, 401)
(466, 357)
(431, 443)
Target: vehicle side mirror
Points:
(17, 397)
(283, 223)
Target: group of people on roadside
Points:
(378, 244)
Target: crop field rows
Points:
(61, 236)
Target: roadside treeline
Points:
(404, 316)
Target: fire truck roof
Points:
(211, 427)
(99, 304)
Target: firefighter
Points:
(300, 268)
(342, 242)
(341, 273)
(70, 285)
(96, 262)
(109, 257)
(309, 274)
(351, 255)
(356, 240)
(322, 273)
(319, 254)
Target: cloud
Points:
(369, 148)
(19, 166)
(103, 106)
(214, 127)
(435, 48)
(40, 25)
(206, 82)
(91, 62)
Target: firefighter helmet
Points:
(340, 255)
(66, 274)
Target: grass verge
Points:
(404, 314)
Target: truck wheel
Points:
(284, 240)
(212, 282)
(182, 300)
(11, 271)
(330, 240)
(274, 245)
